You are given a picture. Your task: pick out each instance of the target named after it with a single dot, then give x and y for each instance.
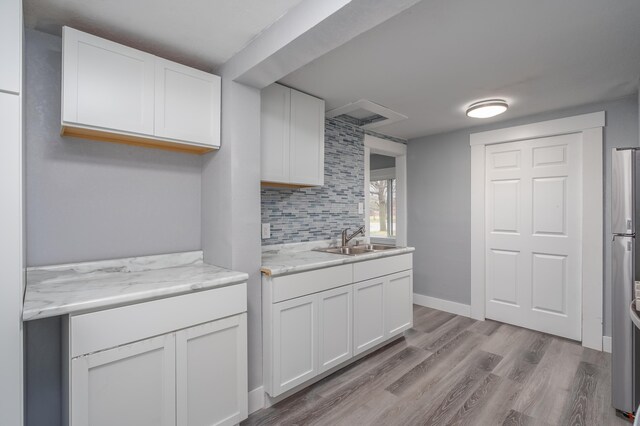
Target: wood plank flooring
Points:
(451, 370)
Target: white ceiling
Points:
(434, 59)
(200, 33)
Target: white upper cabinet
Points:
(10, 46)
(187, 104)
(106, 84)
(292, 133)
(307, 140)
(274, 130)
(114, 93)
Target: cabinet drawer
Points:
(363, 271)
(113, 327)
(296, 285)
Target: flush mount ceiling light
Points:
(487, 108)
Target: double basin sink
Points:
(356, 250)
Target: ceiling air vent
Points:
(369, 115)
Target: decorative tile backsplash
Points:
(310, 214)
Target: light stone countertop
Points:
(64, 289)
(285, 259)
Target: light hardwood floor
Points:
(451, 370)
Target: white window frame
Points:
(375, 145)
(590, 127)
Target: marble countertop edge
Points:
(91, 286)
(29, 314)
(275, 264)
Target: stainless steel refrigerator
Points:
(625, 337)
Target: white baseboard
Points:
(256, 399)
(606, 344)
(442, 305)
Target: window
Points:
(385, 191)
(382, 208)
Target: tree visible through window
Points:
(382, 208)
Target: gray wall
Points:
(439, 207)
(231, 205)
(90, 200)
(320, 213)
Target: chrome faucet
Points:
(346, 239)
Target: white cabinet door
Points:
(106, 85)
(295, 347)
(335, 314)
(211, 373)
(10, 45)
(398, 301)
(274, 130)
(187, 104)
(368, 314)
(306, 162)
(129, 385)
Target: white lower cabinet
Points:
(398, 303)
(211, 373)
(335, 312)
(187, 376)
(382, 308)
(306, 335)
(368, 313)
(130, 385)
(295, 342)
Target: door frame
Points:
(375, 145)
(590, 126)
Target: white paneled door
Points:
(534, 233)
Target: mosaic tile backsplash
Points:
(312, 214)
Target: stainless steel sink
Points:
(379, 247)
(349, 251)
(356, 250)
